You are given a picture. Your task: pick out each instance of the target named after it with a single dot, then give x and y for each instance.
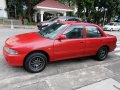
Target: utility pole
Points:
(15, 11)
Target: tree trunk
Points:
(104, 17)
(29, 11)
(69, 1)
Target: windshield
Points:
(53, 19)
(52, 30)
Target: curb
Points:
(19, 26)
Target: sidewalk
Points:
(72, 80)
(19, 26)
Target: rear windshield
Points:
(53, 19)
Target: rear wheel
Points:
(35, 62)
(102, 54)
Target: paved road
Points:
(63, 75)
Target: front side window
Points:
(74, 32)
(52, 30)
(92, 32)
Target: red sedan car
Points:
(58, 41)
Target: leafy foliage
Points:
(96, 11)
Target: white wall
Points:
(3, 13)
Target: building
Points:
(50, 6)
(3, 6)
(8, 10)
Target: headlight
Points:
(10, 51)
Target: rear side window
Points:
(73, 19)
(118, 24)
(77, 20)
(92, 32)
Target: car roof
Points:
(66, 17)
(76, 23)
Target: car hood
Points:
(23, 39)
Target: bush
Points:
(28, 23)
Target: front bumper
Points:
(14, 60)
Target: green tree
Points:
(30, 7)
(16, 6)
(96, 10)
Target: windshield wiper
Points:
(41, 34)
(48, 37)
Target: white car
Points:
(112, 26)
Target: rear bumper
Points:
(14, 60)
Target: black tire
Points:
(102, 54)
(111, 29)
(35, 62)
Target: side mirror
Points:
(62, 37)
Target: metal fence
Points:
(10, 22)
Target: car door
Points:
(93, 40)
(118, 26)
(71, 47)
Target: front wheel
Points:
(102, 54)
(35, 62)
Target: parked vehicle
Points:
(56, 19)
(59, 41)
(112, 26)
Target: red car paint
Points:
(56, 49)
